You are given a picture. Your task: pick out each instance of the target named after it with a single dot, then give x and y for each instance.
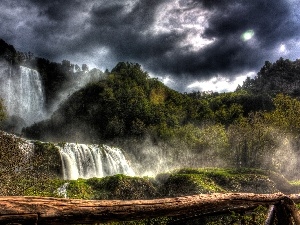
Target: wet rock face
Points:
(25, 164)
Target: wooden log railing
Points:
(43, 210)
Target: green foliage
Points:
(41, 187)
(274, 78)
(251, 142)
(23, 167)
(229, 107)
(127, 103)
(14, 165)
(286, 113)
(186, 184)
(123, 187)
(48, 157)
(79, 189)
(208, 143)
(241, 129)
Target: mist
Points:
(76, 81)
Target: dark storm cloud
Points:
(125, 32)
(160, 35)
(270, 21)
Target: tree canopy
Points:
(254, 126)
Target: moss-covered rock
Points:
(188, 184)
(47, 158)
(26, 167)
(209, 180)
(123, 187)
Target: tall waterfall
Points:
(23, 94)
(87, 161)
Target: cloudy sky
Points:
(189, 44)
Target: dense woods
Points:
(255, 126)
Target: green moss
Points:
(79, 189)
(208, 180)
(123, 187)
(181, 182)
(187, 184)
(47, 158)
(45, 188)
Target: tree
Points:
(84, 67)
(286, 113)
(77, 68)
(66, 66)
(252, 142)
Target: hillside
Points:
(282, 76)
(256, 126)
(131, 110)
(126, 103)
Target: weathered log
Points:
(25, 219)
(72, 211)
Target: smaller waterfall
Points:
(62, 190)
(87, 161)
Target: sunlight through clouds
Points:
(282, 49)
(219, 83)
(246, 36)
(183, 19)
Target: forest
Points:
(257, 126)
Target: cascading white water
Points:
(32, 96)
(23, 94)
(87, 161)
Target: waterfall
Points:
(87, 161)
(23, 94)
